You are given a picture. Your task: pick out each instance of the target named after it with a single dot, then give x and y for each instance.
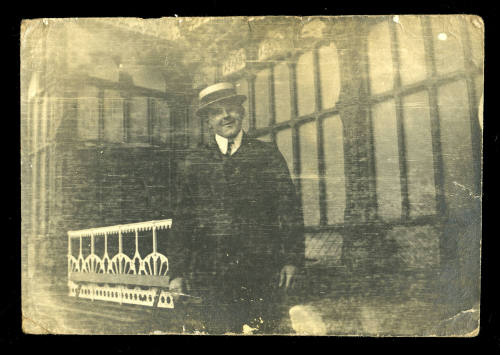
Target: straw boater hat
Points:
(218, 93)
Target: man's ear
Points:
(207, 121)
(242, 111)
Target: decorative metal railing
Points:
(139, 280)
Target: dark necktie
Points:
(229, 147)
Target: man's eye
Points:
(215, 112)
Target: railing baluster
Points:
(153, 264)
(120, 240)
(154, 238)
(105, 244)
(136, 242)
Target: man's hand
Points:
(288, 275)
(177, 286)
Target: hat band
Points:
(214, 96)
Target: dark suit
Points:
(240, 222)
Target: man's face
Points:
(225, 118)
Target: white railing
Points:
(120, 278)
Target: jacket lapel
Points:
(215, 169)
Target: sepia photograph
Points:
(266, 175)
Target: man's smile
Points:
(225, 119)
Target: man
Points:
(239, 220)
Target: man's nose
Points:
(224, 114)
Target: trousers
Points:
(236, 298)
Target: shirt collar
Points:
(222, 142)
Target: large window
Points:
(423, 83)
(294, 105)
(109, 115)
(124, 133)
(424, 77)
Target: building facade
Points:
(377, 118)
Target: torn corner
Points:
(474, 333)
(29, 326)
(462, 324)
(476, 21)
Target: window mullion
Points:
(294, 126)
(126, 119)
(100, 124)
(403, 171)
(323, 220)
(371, 155)
(251, 102)
(317, 81)
(473, 107)
(323, 216)
(434, 113)
(293, 90)
(150, 117)
(272, 106)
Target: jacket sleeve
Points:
(182, 225)
(290, 215)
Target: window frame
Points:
(296, 121)
(430, 84)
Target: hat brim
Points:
(239, 99)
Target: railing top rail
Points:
(129, 227)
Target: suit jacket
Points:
(240, 211)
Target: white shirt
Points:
(222, 143)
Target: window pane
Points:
(194, 124)
(282, 92)
(265, 138)
(138, 120)
(419, 156)
(88, 114)
(163, 128)
(37, 191)
(387, 160)
(411, 49)
(479, 84)
(39, 122)
(329, 75)
(42, 189)
(305, 84)
(380, 58)
(58, 115)
(476, 35)
(262, 99)
(309, 173)
(35, 109)
(456, 143)
(333, 139)
(242, 89)
(44, 120)
(324, 247)
(284, 142)
(25, 124)
(51, 119)
(448, 48)
(113, 116)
